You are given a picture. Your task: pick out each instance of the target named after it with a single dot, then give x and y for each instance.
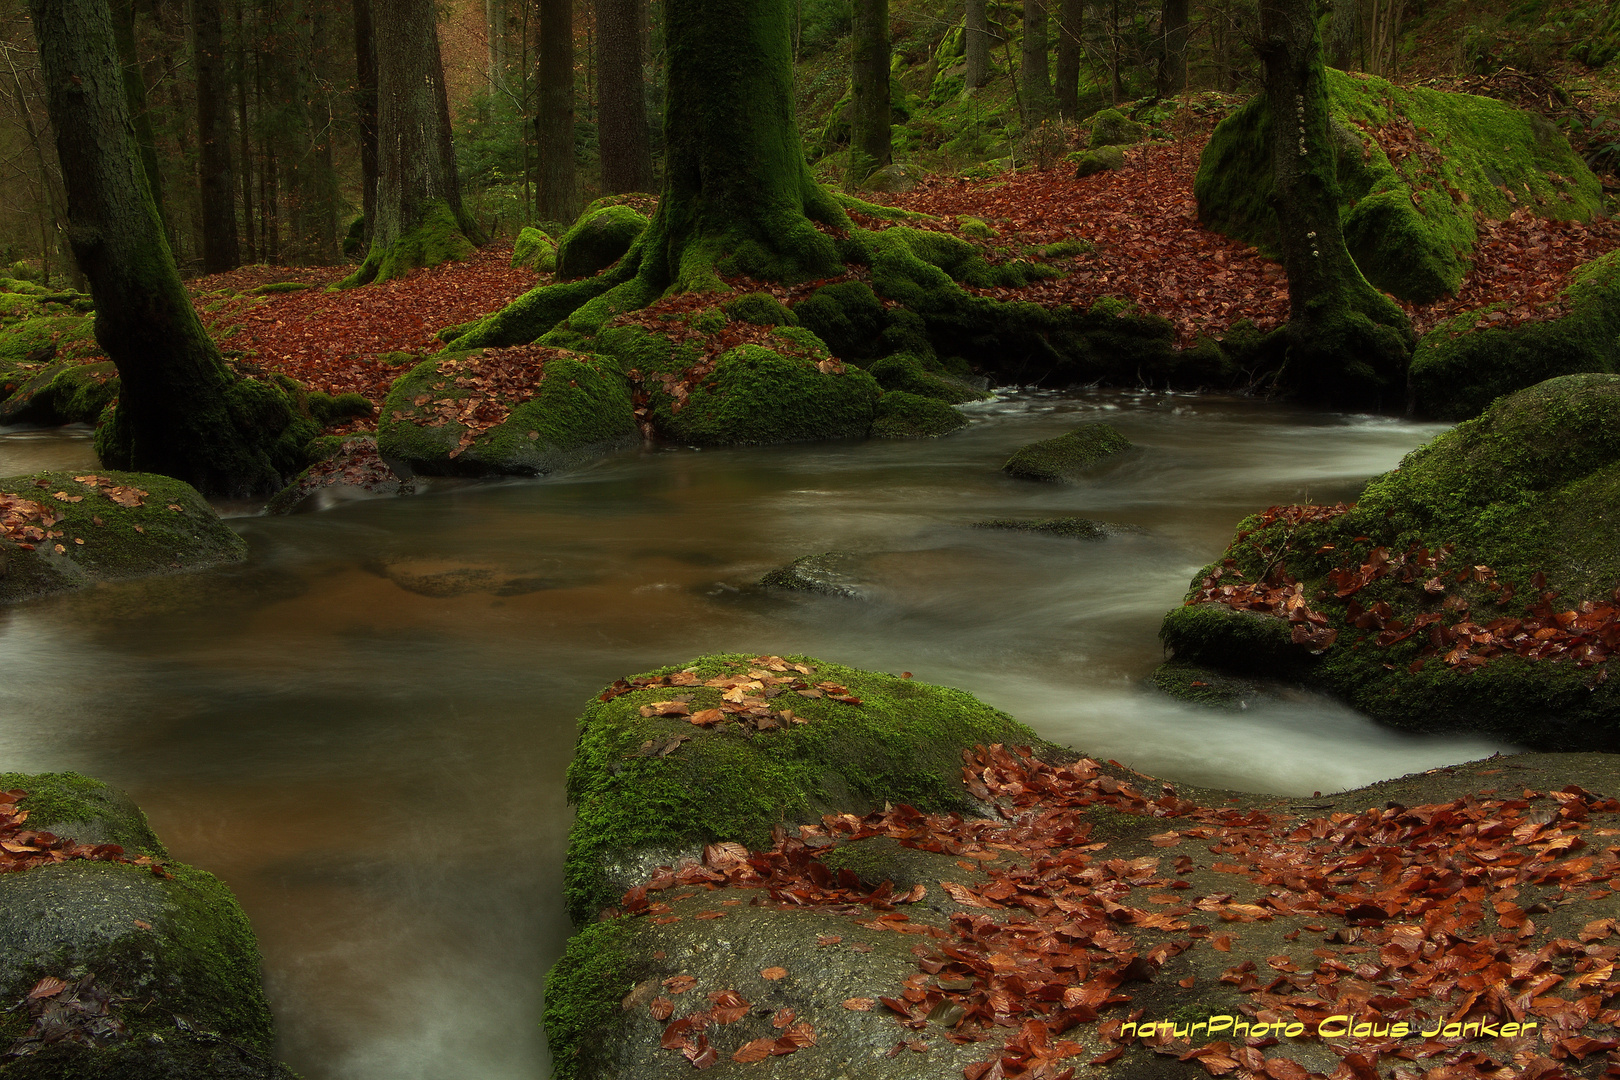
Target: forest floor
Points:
(1141, 221)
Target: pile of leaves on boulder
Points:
(745, 701)
(23, 849)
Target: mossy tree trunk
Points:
(1174, 31)
(419, 217)
(181, 411)
(869, 148)
(976, 44)
(1067, 68)
(218, 181)
(1035, 76)
(123, 14)
(1348, 343)
(622, 109)
(554, 118)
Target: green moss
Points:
(905, 373)
(1070, 528)
(906, 416)
(1113, 128)
(902, 744)
(1202, 686)
(1410, 225)
(847, 316)
(638, 349)
(1462, 365)
(583, 991)
(530, 315)
(1067, 456)
(1068, 249)
(274, 287)
(119, 541)
(975, 227)
(580, 412)
(326, 409)
(759, 395)
(85, 809)
(48, 337)
(598, 240)
(436, 240)
(761, 309)
(535, 250)
(64, 393)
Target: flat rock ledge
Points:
(1025, 910)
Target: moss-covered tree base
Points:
(1476, 546)
(438, 238)
(65, 531)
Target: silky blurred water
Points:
(364, 728)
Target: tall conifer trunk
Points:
(1035, 76)
(218, 181)
(1067, 71)
(622, 108)
(1174, 32)
(554, 117)
(869, 148)
(976, 45)
(365, 107)
(180, 411)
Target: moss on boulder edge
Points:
(1407, 232)
(1463, 365)
(909, 416)
(64, 393)
(1531, 486)
(119, 542)
(191, 954)
(580, 411)
(535, 250)
(903, 743)
(1067, 456)
(597, 240)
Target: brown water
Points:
(374, 760)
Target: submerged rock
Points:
(349, 469)
(1067, 457)
(832, 573)
(1072, 528)
(1475, 587)
(59, 531)
(908, 416)
(126, 972)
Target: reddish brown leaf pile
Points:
(689, 1034)
(27, 523)
(745, 701)
(1426, 902)
(24, 849)
(481, 389)
(71, 1012)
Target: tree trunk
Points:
(1070, 13)
(1343, 31)
(495, 26)
(976, 45)
(1174, 30)
(869, 93)
(554, 118)
(180, 411)
(1348, 343)
(420, 221)
(123, 14)
(244, 135)
(218, 181)
(365, 108)
(1037, 78)
(626, 147)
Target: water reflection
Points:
(364, 728)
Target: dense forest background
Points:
(289, 90)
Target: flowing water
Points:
(364, 728)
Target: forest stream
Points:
(363, 729)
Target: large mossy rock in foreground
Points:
(640, 801)
(163, 971)
(1465, 363)
(63, 531)
(1410, 223)
(1472, 588)
(525, 411)
(1067, 457)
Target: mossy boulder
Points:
(831, 573)
(1067, 457)
(908, 416)
(598, 240)
(635, 807)
(343, 469)
(1113, 128)
(63, 393)
(1101, 159)
(906, 373)
(522, 412)
(757, 395)
(1507, 521)
(31, 344)
(534, 250)
(848, 316)
(1465, 363)
(1068, 528)
(761, 309)
(63, 531)
(163, 971)
(1408, 222)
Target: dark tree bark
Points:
(554, 117)
(1348, 343)
(622, 108)
(244, 137)
(419, 217)
(365, 108)
(123, 13)
(218, 181)
(976, 45)
(869, 148)
(1174, 30)
(181, 411)
(1036, 75)
(1067, 72)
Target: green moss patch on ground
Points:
(1464, 364)
(524, 411)
(902, 742)
(1067, 457)
(1415, 168)
(104, 526)
(1444, 589)
(65, 392)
